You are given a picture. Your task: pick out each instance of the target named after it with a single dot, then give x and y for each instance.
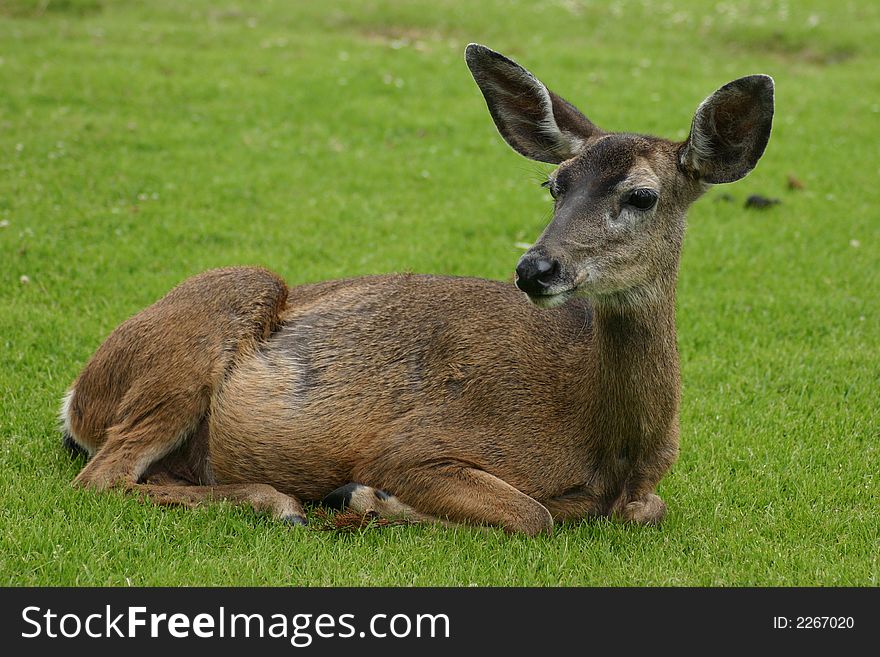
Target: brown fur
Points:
(459, 397)
(144, 395)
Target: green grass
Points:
(142, 142)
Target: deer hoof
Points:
(648, 510)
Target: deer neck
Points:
(636, 360)
(635, 329)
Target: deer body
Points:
(432, 397)
(454, 380)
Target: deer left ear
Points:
(730, 130)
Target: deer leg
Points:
(459, 492)
(646, 509)
(262, 497)
(575, 505)
(149, 432)
(639, 502)
(366, 499)
(149, 385)
(170, 480)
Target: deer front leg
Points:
(639, 501)
(459, 492)
(574, 505)
(648, 509)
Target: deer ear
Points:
(730, 130)
(532, 119)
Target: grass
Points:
(142, 142)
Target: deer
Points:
(436, 398)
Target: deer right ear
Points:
(730, 130)
(532, 119)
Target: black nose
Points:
(535, 274)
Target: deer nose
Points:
(534, 274)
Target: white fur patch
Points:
(64, 413)
(551, 300)
(65, 420)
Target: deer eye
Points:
(642, 199)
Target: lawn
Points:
(143, 142)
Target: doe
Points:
(431, 397)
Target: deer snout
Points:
(535, 273)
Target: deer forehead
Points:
(614, 163)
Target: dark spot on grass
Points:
(759, 202)
(794, 48)
(794, 183)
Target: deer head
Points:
(620, 198)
